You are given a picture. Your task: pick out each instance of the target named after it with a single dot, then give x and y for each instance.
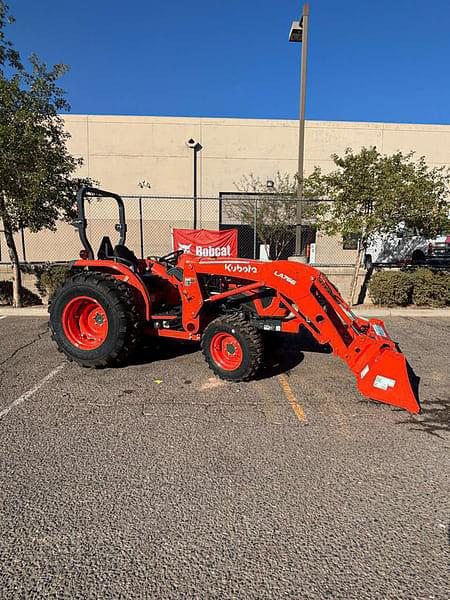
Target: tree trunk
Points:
(356, 271)
(13, 256)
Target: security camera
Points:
(191, 143)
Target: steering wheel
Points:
(171, 259)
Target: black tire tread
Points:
(251, 334)
(123, 299)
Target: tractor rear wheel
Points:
(232, 348)
(94, 320)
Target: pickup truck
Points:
(439, 250)
(403, 247)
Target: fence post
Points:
(220, 209)
(255, 221)
(141, 227)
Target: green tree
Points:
(37, 186)
(273, 210)
(373, 193)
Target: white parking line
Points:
(27, 395)
(2, 317)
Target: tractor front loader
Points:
(113, 299)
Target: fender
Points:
(121, 272)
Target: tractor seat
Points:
(125, 254)
(106, 250)
(120, 252)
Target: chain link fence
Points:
(266, 225)
(150, 220)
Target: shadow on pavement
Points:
(284, 352)
(434, 418)
(163, 349)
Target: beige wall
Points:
(120, 151)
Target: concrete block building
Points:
(122, 152)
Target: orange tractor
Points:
(100, 314)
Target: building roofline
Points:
(249, 122)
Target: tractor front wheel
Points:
(232, 348)
(94, 320)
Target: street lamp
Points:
(196, 147)
(299, 33)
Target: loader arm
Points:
(311, 301)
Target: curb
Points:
(402, 312)
(29, 311)
(41, 311)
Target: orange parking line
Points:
(298, 410)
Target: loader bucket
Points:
(386, 378)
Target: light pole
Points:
(196, 147)
(299, 33)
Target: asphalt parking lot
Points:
(157, 480)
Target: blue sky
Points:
(368, 60)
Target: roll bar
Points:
(81, 223)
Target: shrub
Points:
(391, 288)
(431, 288)
(422, 287)
(50, 278)
(6, 295)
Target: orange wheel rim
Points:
(226, 351)
(85, 323)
